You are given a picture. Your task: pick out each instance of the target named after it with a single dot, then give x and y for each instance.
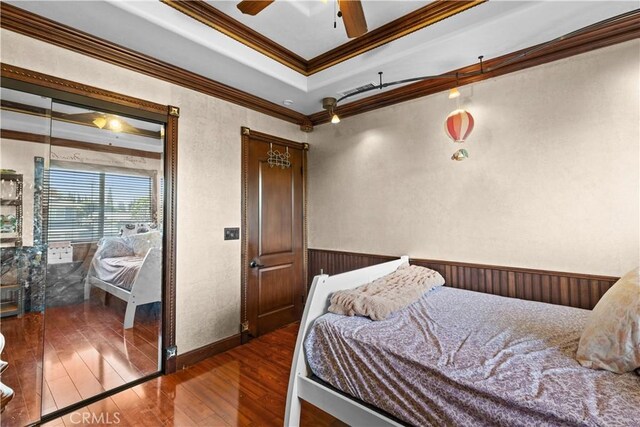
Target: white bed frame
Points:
(301, 386)
(146, 288)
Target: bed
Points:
(129, 268)
(454, 357)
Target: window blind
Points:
(87, 205)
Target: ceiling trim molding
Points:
(18, 20)
(427, 15)
(607, 34)
(203, 12)
(35, 26)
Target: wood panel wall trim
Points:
(271, 138)
(194, 356)
(202, 11)
(81, 145)
(170, 235)
(554, 287)
(427, 15)
(607, 34)
(21, 21)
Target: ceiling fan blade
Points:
(353, 17)
(253, 7)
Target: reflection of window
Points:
(87, 205)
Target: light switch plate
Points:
(232, 233)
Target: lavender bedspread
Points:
(458, 357)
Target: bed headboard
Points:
(324, 285)
(317, 304)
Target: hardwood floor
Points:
(23, 351)
(246, 386)
(86, 351)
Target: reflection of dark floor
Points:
(86, 351)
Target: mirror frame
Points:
(30, 81)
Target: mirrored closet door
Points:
(82, 199)
(104, 261)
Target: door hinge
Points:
(170, 352)
(244, 326)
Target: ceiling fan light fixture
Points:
(330, 105)
(100, 122)
(115, 125)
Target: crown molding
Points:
(621, 30)
(18, 20)
(21, 21)
(427, 15)
(205, 13)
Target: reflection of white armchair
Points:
(130, 268)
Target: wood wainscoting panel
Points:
(570, 289)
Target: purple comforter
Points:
(458, 357)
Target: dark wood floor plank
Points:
(245, 386)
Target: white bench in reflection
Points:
(135, 279)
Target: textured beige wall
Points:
(208, 283)
(552, 181)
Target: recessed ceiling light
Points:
(287, 102)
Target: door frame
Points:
(247, 135)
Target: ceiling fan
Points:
(350, 11)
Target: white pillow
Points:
(141, 243)
(611, 338)
(113, 247)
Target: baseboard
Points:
(194, 356)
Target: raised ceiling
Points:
(492, 29)
(306, 27)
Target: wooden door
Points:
(274, 279)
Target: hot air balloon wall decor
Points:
(458, 127)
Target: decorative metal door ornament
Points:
(278, 159)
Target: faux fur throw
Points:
(387, 294)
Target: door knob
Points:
(254, 264)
